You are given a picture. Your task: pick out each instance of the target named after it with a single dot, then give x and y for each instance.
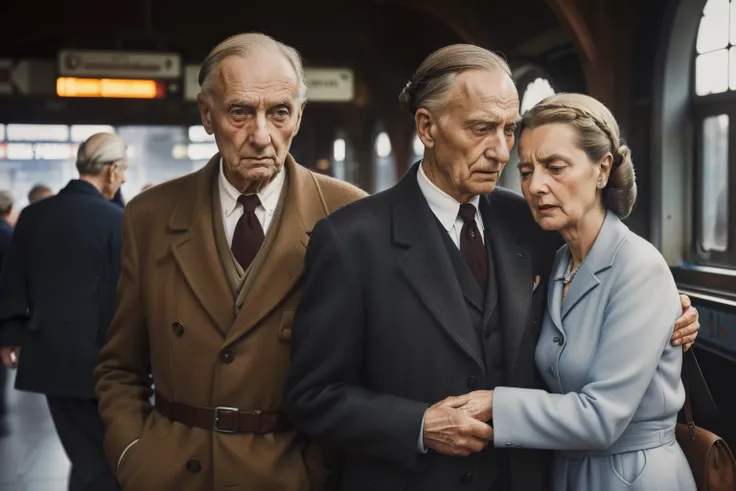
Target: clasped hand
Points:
(458, 425)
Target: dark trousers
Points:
(81, 432)
(3, 389)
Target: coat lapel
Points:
(195, 250)
(599, 258)
(514, 276)
(428, 267)
(283, 264)
(554, 293)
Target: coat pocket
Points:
(628, 467)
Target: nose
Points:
(260, 138)
(537, 183)
(499, 148)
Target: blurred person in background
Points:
(38, 192)
(57, 297)
(6, 232)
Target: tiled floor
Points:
(31, 456)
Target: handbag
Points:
(710, 458)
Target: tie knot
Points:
(467, 212)
(249, 201)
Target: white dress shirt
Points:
(232, 210)
(446, 208)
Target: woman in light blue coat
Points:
(604, 349)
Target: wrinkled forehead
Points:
(261, 72)
(485, 92)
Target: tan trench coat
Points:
(176, 309)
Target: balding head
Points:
(244, 44)
(98, 151)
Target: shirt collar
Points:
(269, 195)
(444, 206)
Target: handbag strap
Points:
(686, 382)
(688, 371)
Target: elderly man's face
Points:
(254, 111)
(469, 139)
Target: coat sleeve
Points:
(638, 321)
(123, 376)
(325, 397)
(15, 304)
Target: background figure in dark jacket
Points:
(57, 295)
(6, 232)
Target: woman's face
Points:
(558, 180)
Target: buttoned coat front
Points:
(605, 353)
(176, 319)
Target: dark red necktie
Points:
(471, 245)
(248, 235)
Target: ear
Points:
(300, 112)
(605, 166)
(205, 111)
(424, 122)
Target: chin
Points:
(549, 223)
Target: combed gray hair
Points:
(436, 74)
(6, 202)
(98, 151)
(241, 45)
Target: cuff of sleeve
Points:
(422, 449)
(11, 333)
(505, 416)
(120, 459)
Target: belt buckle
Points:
(216, 422)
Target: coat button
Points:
(178, 329)
(227, 356)
(467, 479)
(551, 371)
(472, 382)
(194, 466)
(558, 340)
(487, 332)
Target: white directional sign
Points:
(329, 84)
(115, 64)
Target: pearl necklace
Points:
(569, 275)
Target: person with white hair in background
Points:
(212, 267)
(57, 295)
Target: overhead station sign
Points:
(116, 64)
(329, 84)
(114, 74)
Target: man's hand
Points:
(10, 356)
(450, 431)
(687, 326)
(478, 404)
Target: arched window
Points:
(714, 102)
(533, 85)
(384, 166)
(535, 91)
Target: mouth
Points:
(546, 209)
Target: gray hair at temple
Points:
(241, 45)
(98, 151)
(6, 202)
(436, 74)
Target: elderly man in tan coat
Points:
(210, 280)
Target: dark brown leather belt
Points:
(222, 419)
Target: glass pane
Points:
(535, 92)
(714, 186)
(733, 23)
(713, 31)
(711, 73)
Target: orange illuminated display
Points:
(109, 87)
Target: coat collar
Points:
(601, 256)
(81, 186)
(196, 252)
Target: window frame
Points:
(704, 107)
